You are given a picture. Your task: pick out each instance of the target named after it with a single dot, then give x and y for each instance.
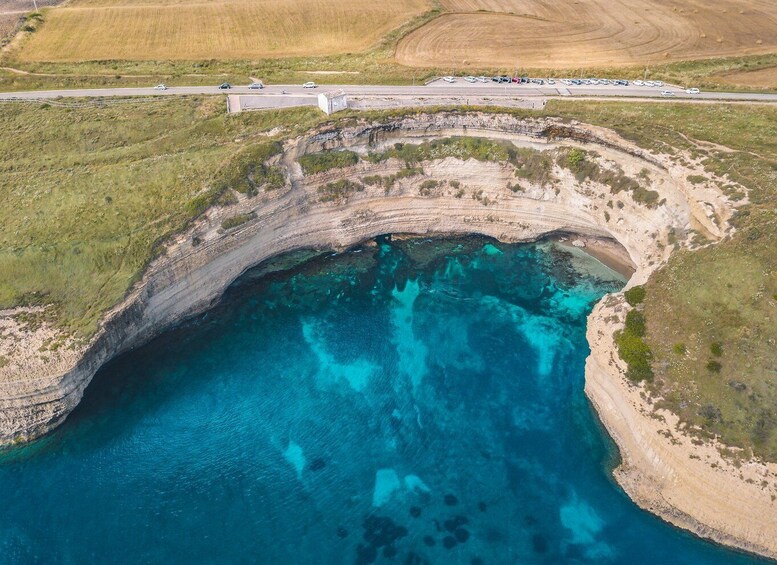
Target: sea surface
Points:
(411, 401)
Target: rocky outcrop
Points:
(450, 196)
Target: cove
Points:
(410, 401)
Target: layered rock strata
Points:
(450, 196)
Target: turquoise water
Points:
(411, 402)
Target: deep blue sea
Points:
(415, 401)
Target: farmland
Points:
(589, 33)
(94, 30)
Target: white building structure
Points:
(331, 102)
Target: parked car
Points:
(504, 78)
(256, 86)
(225, 86)
(551, 81)
(566, 81)
(309, 84)
(495, 79)
(659, 83)
(516, 80)
(639, 83)
(470, 79)
(482, 79)
(650, 83)
(692, 91)
(667, 93)
(160, 87)
(449, 79)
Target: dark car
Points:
(495, 79)
(225, 86)
(504, 78)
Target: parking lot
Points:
(526, 86)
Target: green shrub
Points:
(199, 204)
(269, 177)
(338, 190)
(635, 295)
(679, 348)
(458, 147)
(326, 160)
(373, 180)
(637, 355)
(716, 348)
(238, 220)
(635, 323)
(532, 165)
(696, 179)
(575, 158)
(455, 184)
(246, 171)
(714, 366)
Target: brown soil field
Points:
(762, 78)
(92, 30)
(589, 33)
(11, 11)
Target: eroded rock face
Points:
(449, 196)
(37, 390)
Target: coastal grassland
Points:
(99, 30)
(711, 314)
(88, 193)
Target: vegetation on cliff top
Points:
(90, 192)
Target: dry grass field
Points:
(761, 78)
(94, 30)
(589, 33)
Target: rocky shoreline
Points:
(674, 479)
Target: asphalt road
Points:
(302, 96)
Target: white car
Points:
(639, 83)
(309, 84)
(566, 81)
(659, 83)
(482, 79)
(160, 87)
(449, 79)
(470, 79)
(650, 83)
(692, 91)
(551, 81)
(667, 93)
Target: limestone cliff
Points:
(449, 196)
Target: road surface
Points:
(278, 96)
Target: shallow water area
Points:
(411, 401)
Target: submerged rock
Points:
(539, 543)
(449, 542)
(317, 464)
(451, 500)
(461, 534)
(415, 511)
